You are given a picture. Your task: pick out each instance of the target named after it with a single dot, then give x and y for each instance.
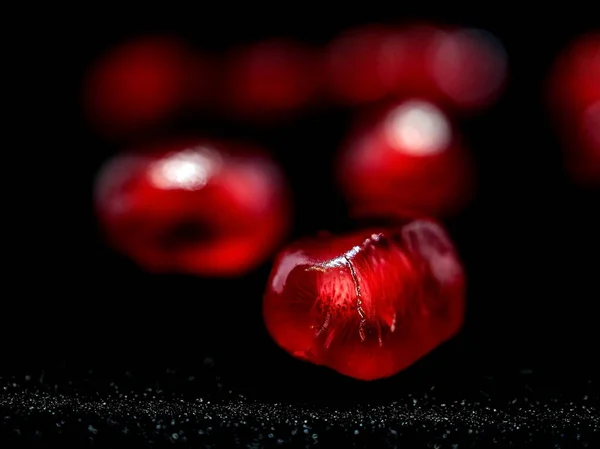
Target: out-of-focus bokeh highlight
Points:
(408, 159)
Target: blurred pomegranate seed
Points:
(462, 68)
(138, 84)
(408, 158)
(574, 92)
(199, 207)
(269, 78)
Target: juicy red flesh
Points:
(366, 304)
(408, 159)
(205, 208)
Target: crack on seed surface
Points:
(359, 309)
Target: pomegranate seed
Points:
(575, 98)
(138, 84)
(366, 304)
(199, 207)
(462, 68)
(269, 78)
(408, 159)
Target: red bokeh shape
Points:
(139, 84)
(200, 207)
(406, 158)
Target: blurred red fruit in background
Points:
(407, 159)
(139, 84)
(574, 91)
(366, 304)
(203, 81)
(268, 78)
(575, 81)
(470, 67)
(199, 207)
(464, 69)
(357, 66)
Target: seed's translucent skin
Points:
(366, 304)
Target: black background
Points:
(529, 240)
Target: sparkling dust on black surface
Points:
(519, 411)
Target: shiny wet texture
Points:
(367, 304)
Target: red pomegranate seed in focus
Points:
(367, 304)
(199, 207)
(407, 160)
(138, 84)
(269, 78)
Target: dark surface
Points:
(529, 242)
(515, 410)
